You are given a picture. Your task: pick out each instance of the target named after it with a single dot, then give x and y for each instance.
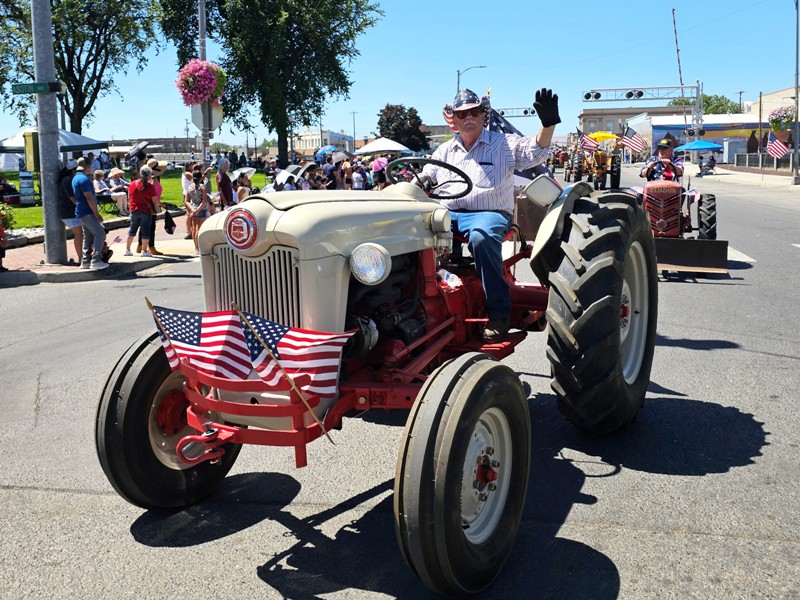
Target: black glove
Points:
(546, 105)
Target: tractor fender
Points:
(553, 223)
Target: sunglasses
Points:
(472, 112)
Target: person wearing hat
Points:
(66, 207)
(119, 190)
(157, 167)
(662, 165)
(483, 216)
(94, 235)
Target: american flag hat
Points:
(464, 100)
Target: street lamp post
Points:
(796, 154)
(458, 73)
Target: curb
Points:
(41, 272)
(76, 275)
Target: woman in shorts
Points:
(196, 201)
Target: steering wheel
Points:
(414, 166)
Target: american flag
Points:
(775, 147)
(498, 122)
(213, 342)
(633, 140)
(587, 143)
(299, 351)
(448, 118)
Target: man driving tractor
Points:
(484, 215)
(662, 165)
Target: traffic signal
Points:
(634, 94)
(591, 96)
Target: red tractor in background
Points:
(669, 207)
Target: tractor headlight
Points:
(370, 263)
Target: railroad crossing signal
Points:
(687, 92)
(524, 111)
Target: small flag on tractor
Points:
(775, 147)
(587, 143)
(212, 342)
(316, 353)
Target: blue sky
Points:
(413, 54)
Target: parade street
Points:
(700, 498)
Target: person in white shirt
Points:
(489, 158)
(358, 177)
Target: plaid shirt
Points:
(490, 164)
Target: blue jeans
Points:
(93, 235)
(485, 232)
(140, 219)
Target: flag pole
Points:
(288, 377)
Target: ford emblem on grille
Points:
(240, 229)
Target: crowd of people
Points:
(84, 184)
(89, 182)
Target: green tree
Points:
(283, 58)
(712, 105)
(403, 126)
(91, 42)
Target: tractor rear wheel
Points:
(707, 216)
(602, 313)
(140, 419)
(462, 474)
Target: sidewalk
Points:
(25, 256)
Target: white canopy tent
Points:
(383, 145)
(9, 161)
(67, 142)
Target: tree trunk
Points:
(283, 148)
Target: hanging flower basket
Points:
(201, 81)
(781, 118)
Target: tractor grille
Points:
(665, 215)
(268, 286)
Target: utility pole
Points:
(740, 92)
(206, 107)
(55, 238)
(354, 113)
(796, 153)
(186, 129)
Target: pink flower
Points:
(201, 81)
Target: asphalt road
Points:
(698, 500)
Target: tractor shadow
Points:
(690, 344)
(674, 435)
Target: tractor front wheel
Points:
(602, 313)
(140, 420)
(707, 216)
(462, 474)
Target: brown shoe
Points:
(138, 248)
(496, 329)
(154, 252)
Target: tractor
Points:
(599, 168)
(669, 207)
(380, 264)
(577, 167)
